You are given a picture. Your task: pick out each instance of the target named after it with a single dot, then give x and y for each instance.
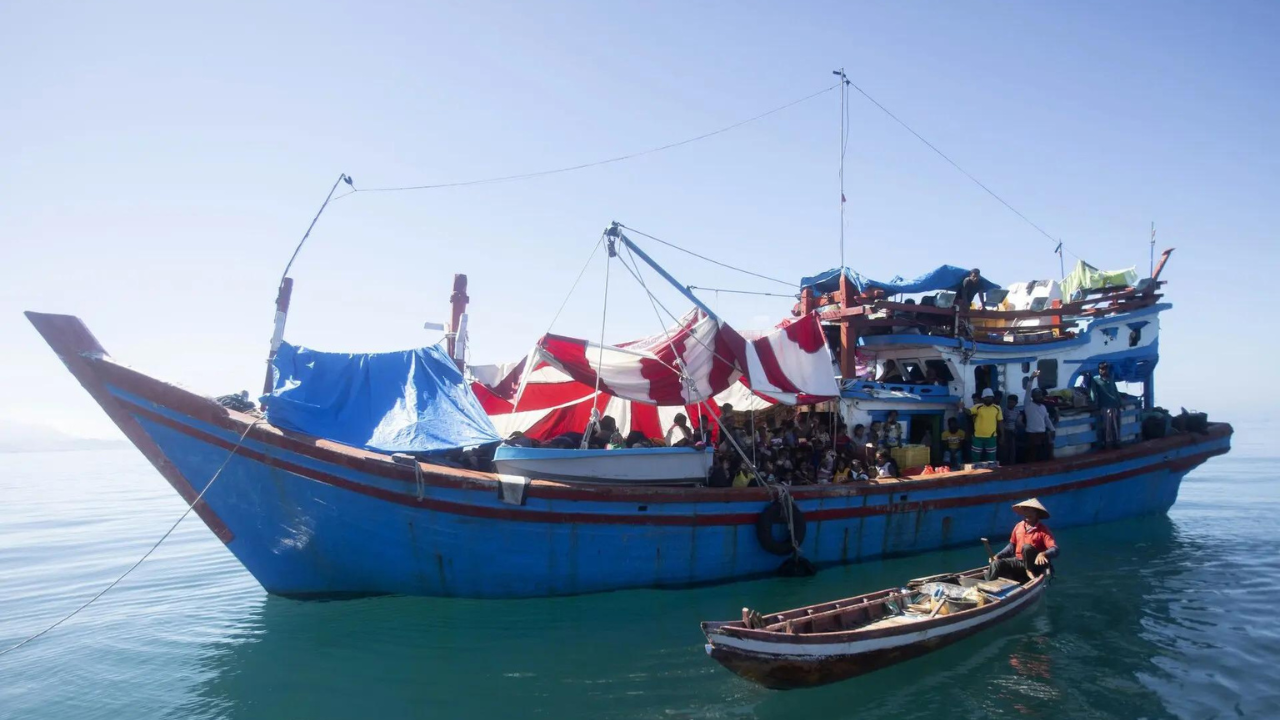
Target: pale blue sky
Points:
(160, 162)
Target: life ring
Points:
(775, 514)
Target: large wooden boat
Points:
(834, 641)
(313, 517)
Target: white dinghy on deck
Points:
(633, 466)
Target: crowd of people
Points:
(813, 448)
(801, 450)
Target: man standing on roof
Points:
(972, 288)
(1107, 397)
(986, 423)
(1030, 547)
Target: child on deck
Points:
(858, 472)
(886, 466)
(826, 468)
(892, 430)
(843, 471)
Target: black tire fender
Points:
(775, 513)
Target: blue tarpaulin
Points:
(408, 401)
(829, 281)
(945, 277)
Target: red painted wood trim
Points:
(1164, 258)
(456, 508)
(79, 349)
(205, 410)
(696, 520)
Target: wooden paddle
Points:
(987, 544)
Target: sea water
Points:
(1148, 618)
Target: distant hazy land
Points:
(16, 437)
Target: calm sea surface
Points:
(1174, 616)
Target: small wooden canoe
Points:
(838, 640)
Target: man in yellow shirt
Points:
(953, 444)
(986, 422)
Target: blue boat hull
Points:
(309, 518)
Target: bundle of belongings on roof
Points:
(944, 277)
(1086, 277)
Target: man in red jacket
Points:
(1031, 546)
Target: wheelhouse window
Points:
(912, 372)
(1048, 374)
(890, 372)
(940, 370)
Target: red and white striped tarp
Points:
(640, 385)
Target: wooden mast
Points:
(458, 303)
(848, 335)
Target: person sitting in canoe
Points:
(1031, 546)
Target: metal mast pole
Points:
(844, 83)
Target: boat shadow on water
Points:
(1101, 642)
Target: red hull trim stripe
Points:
(183, 403)
(531, 515)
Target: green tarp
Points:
(1088, 277)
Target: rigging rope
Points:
(704, 257)
(607, 161)
(529, 369)
(147, 554)
(742, 292)
(604, 316)
(577, 280)
(653, 299)
(776, 490)
(953, 164)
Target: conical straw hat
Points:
(1033, 503)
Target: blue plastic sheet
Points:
(945, 277)
(408, 401)
(829, 281)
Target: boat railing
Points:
(878, 316)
